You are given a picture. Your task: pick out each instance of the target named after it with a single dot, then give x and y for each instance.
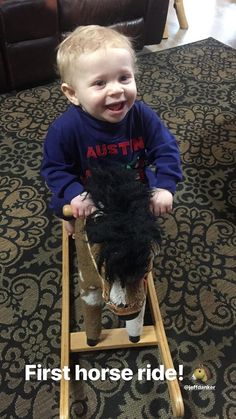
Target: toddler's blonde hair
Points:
(88, 39)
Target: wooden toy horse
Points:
(115, 249)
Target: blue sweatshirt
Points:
(140, 141)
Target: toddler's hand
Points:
(161, 201)
(82, 205)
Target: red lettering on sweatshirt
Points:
(91, 153)
(102, 150)
(112, 149)
(124, 147)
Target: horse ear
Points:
(208, 373)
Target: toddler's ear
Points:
(69, 92)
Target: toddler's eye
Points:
(125, 78)
(99, 83)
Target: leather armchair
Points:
(30, 30)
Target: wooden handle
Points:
(67, 211)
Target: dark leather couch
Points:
(30, 30)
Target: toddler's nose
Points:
(115, 88)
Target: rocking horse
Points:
(115, 249)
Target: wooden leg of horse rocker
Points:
(113, 339)
(161, 341)
(65, 324)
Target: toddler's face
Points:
(104, 83)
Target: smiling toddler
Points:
(105, 121)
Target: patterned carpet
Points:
(193, 87)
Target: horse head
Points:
(127, 234)
(201, 373)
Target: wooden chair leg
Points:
(179, 7)
(180, 12)
(65, 321)
(165, 33)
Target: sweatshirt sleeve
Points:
(164, 166)
(59, 167)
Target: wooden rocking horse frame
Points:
(153, 335)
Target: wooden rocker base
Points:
(113, 339)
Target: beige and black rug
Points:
(193, 88)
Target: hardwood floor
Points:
(206, 18)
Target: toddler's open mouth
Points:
(115, 107)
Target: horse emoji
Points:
(201, 373)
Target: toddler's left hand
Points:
(161, 201)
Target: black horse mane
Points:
(123, 224)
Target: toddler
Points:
(105, 121)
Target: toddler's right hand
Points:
(82, 205)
